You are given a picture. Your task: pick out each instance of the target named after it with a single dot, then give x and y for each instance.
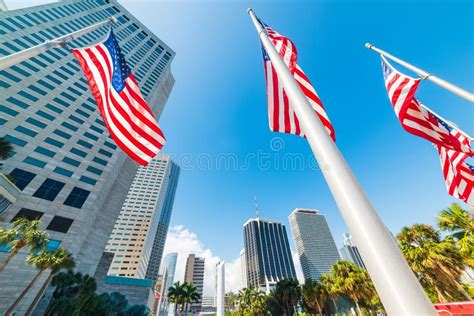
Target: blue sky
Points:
(218, 107)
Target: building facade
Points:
(243, 269)
(194, 273)
(316, 248)
(71, 174)
(350, 252)
(167, 270)
(267, 253)
(139, 234)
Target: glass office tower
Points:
(71, 174)
(267, 253)
(316, 248)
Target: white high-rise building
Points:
(316, 248)
(243, 268)
(139, 234)
(68, 171)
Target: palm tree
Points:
(62, 259)
(5, 148)
(245, 300)
(232, 300)
(73, 292)
(437, 263)
(460, 224)
(23, 233)
(44, 260)
(352, 281)
(329, 289)
(288, 292)
(257, 305)
(175, 295)
(313, 295)
(190, 294)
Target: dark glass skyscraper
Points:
(267, 253)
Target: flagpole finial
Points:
(368, 45)
(113, 19)
(249, 10)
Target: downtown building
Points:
(316, 248)
(194, 273)
(139, 234)
(67, 169)
(267, 254)
(167, 271)
(349, 252)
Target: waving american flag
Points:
(457, 173)
(414, 118)
(281, 116)
(125, 113)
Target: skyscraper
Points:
(267, 253)
(72, 176)
(194, 273)
(350, 252)
(168, 269)
(316, 248)
(243, 268)
(139, 234)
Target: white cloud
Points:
(185, 242)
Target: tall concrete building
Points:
(350, 252)
(316, 248)
(243, 269)
(71, 174)
(267, 253)
(139, 234)
(194, 273)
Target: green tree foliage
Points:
(23, 233)
(75, 294)
(314, 295)
(56, 260)
(437, 262)
(5, 148)
(252, 302)
(459, 223)
(288, 294)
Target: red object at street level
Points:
(455, 309)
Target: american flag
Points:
(414, 118)
(458, 174)
(124, 110)
(281, 116)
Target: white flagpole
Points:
(425, 75)
(397, 286)
(18, 57)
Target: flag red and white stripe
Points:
(281, 116)
(412, 116)
(457, 173)
(128, 118)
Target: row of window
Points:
(50, 188)
(58, 223)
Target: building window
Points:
(60, 224)
(4, 203)
(22, 178)
(53, 245)
(28, 214)
(34, 162)
(49, 189)
(77, 197)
